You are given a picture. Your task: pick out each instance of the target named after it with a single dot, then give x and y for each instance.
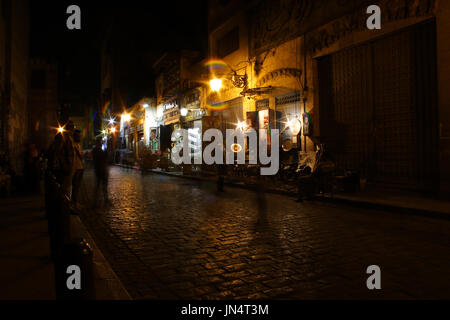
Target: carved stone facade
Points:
(275, 22)
(14, 35)
(392, 10)
(283, 72)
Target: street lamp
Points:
(113, 130)
(60, 130)
(241, 125)
(295, 126)
(216, 85)
(126, 117)
(184, 112)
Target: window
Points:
(228, 43)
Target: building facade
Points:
(180, 100)
(44, 102)
(14, 79)
(376, 98)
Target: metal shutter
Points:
(378, 108)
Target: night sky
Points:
(147, 27)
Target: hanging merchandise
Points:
(307, 124)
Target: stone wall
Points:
(15, 101)
(443, 60)
(44, 104)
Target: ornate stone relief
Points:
(392, 10)
(284, 72)
(273, 22)
(277, 21)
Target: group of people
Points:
(65, 162)
(7, 173)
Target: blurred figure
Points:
(67, 159)
(32, 168)
(78, 168)
(221, 173)
(53, 158)
(261, 204)
(6, 173)
(100, 158)
(221, 177)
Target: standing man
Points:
(67, 158)
(100, 158)
(78, 168)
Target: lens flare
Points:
(106, 109)
(236, 148)
(218, 106)
(126, 117)
(216, 65)
(215, 84)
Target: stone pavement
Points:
(26, 269)
(393, 200)
(25, 264)
(168, 238)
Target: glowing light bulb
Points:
(126, 117)
(241, 125)
(216, 85)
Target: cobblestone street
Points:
(171, 238)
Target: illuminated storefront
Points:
(192, 113)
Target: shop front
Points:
(231, 115)
(192, 113)
(378, 108)
(171, 123)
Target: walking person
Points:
(261, 204)
(53, 158)
(100, 158)
(32, 168)
(67, 159)
(78, 169)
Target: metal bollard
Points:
(74, 272)
(73, 258)
(57, 209)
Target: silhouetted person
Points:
(32, 168)
(6, 173)
(67, 158)
(317, 179)
(53, 158)
(78, 168)
(100, 158)
(221, 177)
(261, 204)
